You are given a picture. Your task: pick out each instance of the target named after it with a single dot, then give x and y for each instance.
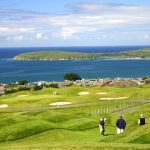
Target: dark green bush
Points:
(24, 88)
(53, 85)
(22, 82)
(11, 91)
(36, 87)
(72, 76)
(11, 85)
(71, 84)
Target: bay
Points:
(12, 71)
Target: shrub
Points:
(23, 88)
(36, 87)
(11, 85)
(11, 91)
(22, 82)
(72, 76)
(70, 84)
(53, 85)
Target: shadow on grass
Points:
(109, 134)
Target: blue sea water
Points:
(12, 71)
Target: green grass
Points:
(73, 128)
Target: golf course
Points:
(68, 118)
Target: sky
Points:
(45, 23)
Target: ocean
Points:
(13, 71)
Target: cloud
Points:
(70, 32)
(84, 18)
(146, 36)
(39, 36)
(18, 38)
(14, 30)
(67, 32)
(15, 38)
(85, 14)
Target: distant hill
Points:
(63, 55)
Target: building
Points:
(2, 91)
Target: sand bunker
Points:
(3, 106)
(60, 103)
(22, 95)
(110, 98)
(102, 93)
(83, 93)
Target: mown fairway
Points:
(74, 127)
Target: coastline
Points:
(143, 54)
(94, 81)
(116, 58)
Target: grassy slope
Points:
(55, 55)
(72, 128)
(138, 53)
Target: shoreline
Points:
(143, 54)
(135, 58)
(93, 81)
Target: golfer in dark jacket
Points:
(121, 124)
(141, 121)
(101, 126)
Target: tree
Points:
(36, 87)
(22, 82)
(72, 76)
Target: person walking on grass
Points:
(121, 124)
(141, 120)
(102, 126)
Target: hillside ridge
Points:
(64, 55)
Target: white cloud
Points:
(26, 29)
(13, 31)
(70, 32)
(39, 36)
(87, 14)
(15, 38)
(4, 29)
(146, 36)
(85, 18)
(18, 38)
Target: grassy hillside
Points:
(62, 55)
(54, 55)
(144, 53)
(74, 127)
